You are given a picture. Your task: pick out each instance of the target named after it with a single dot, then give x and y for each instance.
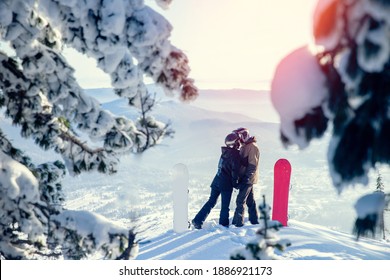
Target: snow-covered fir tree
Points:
(39, 93)
(341, 84)
(370, 210)
(371, 220)
(263, 246)
(380, 187)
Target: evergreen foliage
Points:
(380, 187)
(356, 66)
(40, 95)
(357, 72)
(262, 247)
(352, 50)
(371, 218)
(349, 95)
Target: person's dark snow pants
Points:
(245, 196)
(210, 204)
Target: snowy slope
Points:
(140, 193)
(309, 242)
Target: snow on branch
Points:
(22, 223)
(298, 96)
(35, 225)
(127, 39)
(40, 95)
(95, 234)
(51, 74)
(164, 3)
(342, 84)
(263, 245)
(26, 106)
(370, 210)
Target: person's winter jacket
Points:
(250, 156)
(228, 170)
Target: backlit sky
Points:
(230, 43)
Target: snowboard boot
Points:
(196, 225)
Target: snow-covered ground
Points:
(139, 195)
(309, 242)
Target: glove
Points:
(243, 183)
(235, 184)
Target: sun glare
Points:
(230, 44)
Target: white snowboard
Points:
(180, 184)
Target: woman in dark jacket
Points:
(224, 181)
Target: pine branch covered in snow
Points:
(342, 83)
(39, 93)
(262, 247)
(163, 3)
(24, 199)
(148, 125)
(128, 40)
(379, 183)
(34, 223)
(370, 210)
(28, 108)
(82, 234)
(118, 33)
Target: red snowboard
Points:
(282, 174)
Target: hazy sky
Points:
(230, 43)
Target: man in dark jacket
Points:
(224, 181)
(250, 156)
